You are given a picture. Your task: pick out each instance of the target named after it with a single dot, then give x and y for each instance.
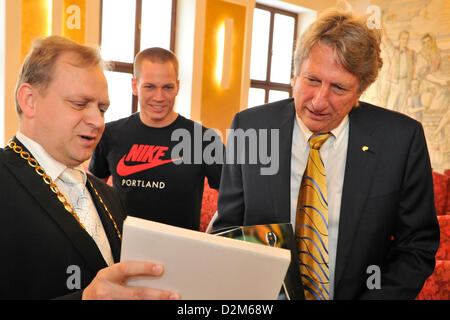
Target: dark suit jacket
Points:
(40, 239)
(387, 215)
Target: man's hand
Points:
(109, 283)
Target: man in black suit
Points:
(54, 243)
(382, 227)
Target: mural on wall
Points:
(415, 78)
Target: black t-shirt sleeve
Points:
(213, 173)
(98, 165)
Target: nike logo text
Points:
(148, 156)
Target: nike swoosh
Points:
(126, 170)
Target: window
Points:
(127, 27)
(273, 38)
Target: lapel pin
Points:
(365, 148)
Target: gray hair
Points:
(355, 45)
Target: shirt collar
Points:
(337, 133)
(52, 167)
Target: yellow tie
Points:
(311, 227)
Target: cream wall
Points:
(317, 5)
(2, 68)
(13, 12)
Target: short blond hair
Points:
(356, 46)
(155, 55)
(37, 68)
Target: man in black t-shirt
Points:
(156, 156)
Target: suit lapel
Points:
(359, 169)
(281, 186)
(51, 206)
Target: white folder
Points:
(201, 266)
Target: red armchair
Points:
(441, 183)
(209, 206)
(437, 286)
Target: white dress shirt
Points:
(54, 169)
(334, 155)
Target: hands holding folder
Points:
(110, 283)
(208, 267)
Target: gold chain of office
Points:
(54, 188)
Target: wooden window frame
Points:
(125, 67)
(267, 85)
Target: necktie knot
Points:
(72, 176)
(316, 141)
